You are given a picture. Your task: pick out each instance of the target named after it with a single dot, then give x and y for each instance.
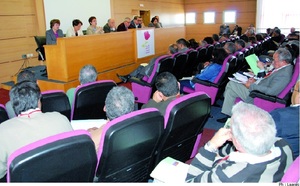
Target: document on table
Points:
(87, 123)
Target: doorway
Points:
(145, 14)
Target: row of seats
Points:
(130, 146)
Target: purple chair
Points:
(65, 157)
(213, 89)
(56, 100)
(128, 145)
(180, 60)
(89, 100)
(270, 103)
(3, 114)
(292, 173)
(142, 88)
(185, 118)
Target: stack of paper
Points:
(170, 170)
(238, 78)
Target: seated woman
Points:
(154, 23)
(54, 32)
(210, 71)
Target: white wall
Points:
(68, 10)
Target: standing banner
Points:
(145, 42)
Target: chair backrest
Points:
(127, 146)
(89, 100)
(209, 52)
(184, 121)
(156, 69)
(3, 114)
(40, 42)
(287, 90)
(179, 63)
(56, 100)
(292, 173)
(191, 63)
(201, 54)
(222, 73)
(65, 157)
(162, 64)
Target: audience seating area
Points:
(131, 145)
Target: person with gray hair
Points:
(24, 75)
(168, 89)
(229, 47)
(254, 153)
(110, 26)
(87, 74)
(272, 82)
(30, 125)
(124, 25)
(119, 101)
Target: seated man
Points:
(272, 84)
(239, 44)
(167, 91)
(287, 121)
(256, 155)
(25, 75)
(136, 22)
(146, 70)
(124, 25)
(30, 125)
(110, 26)
(87, 74)
(119, 101)
(182, 45)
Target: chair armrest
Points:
(274, 99)
(139, 81)
(204, 82)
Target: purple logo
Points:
(146, 35)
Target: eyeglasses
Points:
(296, 90)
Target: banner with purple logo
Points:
(145, 42)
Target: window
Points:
(229, 16)
(209, 17)
(282, 14)
(190, 18)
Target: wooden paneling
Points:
(17, 7)
(246, 14)
(18, 18)
(170, 12)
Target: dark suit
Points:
(271, 85)
(132, 25)
(51, 38)
(287, 126)
(121, 27)
(107, 29)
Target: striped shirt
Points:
(241, 167)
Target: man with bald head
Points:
(110, 26)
